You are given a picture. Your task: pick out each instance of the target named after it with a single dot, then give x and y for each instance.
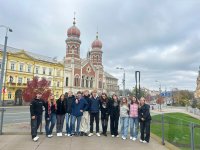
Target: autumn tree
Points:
(183, 97)
(34, 86)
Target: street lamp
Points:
(159, 92)
(123, 81)
(3, 60)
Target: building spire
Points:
(74, 22)
(97, 33)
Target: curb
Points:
(167, 144)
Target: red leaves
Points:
(35, 86)
(160, 100)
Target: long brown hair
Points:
(126, 102)
(104, 99)
(136, 100)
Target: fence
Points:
(194, 111)
(181, 133)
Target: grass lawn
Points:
(177, 129)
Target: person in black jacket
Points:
(60, 114)
(114, 111)
(36, 109)
(50, 115)
(68, 101)
(104, 113)
(145, 120)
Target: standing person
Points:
(134, 122)
(104, 113)
(60, 114)
(78, 107)
(50, 115)
(145, 120)
(69, 100)
(114, 111)
(94, 113)
(85, 118)
(36, 109)
(124, 117)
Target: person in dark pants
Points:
(94, 113)
(104, 113)
(145, 120)
(114, 111)
(50, 115)
(36, 109)
(60, 114)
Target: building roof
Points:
(107, 75)
(33, 55)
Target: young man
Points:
(78, 107)
(94, 113)
(85, 118)
(36, 109)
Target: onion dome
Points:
(73, 31)
(97, 43)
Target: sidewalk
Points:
(24, 142)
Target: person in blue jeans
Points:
(69, 100)
(124, 118)
(78, 107)
(50, 115)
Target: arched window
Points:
(100, 84)
(76, 80)
(66, 82)
(97, 58)
(91, 83)
(83, 81)
(87, 82)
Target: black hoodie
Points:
(36, 107)
(68, 102)
(61, 108)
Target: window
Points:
(58, 73)
(50, 71)
(44, 71)
(29, 68)
(21, 67)
(100, 84)
(82, 84)
(66, 82)
(91, 83)
(20, 80)
(58, 84)
(28, 79)
(37, 70)
(9, 95)
(97, 58)
(12, 66)
(76, 81)
(87, 82)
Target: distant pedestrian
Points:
(114, 111)
(84, 126)
(68, 104)
(134, 122)
(94, 113)
(145, 120)
(50, 115)
(36, 109)
(124, 117)
(104, 113)
(78, 107)
(60, 114)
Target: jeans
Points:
(124, 121)
(96, 117)
(145, 126)
(68, 123)
(60, 122)
(104, 121)
(52, 120)
(74, 119)
(35, 123)
(134, 126)
(114, 121)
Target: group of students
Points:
(80, 112)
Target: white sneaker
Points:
(113, 136)
(131, 138)
(68, 134)
(35, 139)
(144, 141)
(61, 134)
(90, 134)
(134, 139)
(141, 141)
(98, 134)
(124, 138)
(49, 136)
(117, 136)
(58, 134)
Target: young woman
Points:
(60, 114)
(145, 119)
(124, 118)
(50, 115)
(104, 113)
(134, 105)
(114, 110)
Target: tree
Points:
(34, 86)
(143, 93)
(183, 97)
(160, 101)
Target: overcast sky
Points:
(159, 38)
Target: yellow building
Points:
(21, 66)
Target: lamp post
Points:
(3, 60)
(123, 80)
(159, 92)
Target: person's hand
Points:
(76, 101)
(142, 119)
(33, 117)
(48, 118)
(81, 110)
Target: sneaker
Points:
(49, 136)
(131, 138)
(145, 142)
(98, 134)
(141, 141)
(68, 134)
(61, 134)
(134, 139)
(124, 138)
(90, 134)
(85, 134)
(82, 133)
(117, 136)
(35, 139)
(113, 136)
(105, 134)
